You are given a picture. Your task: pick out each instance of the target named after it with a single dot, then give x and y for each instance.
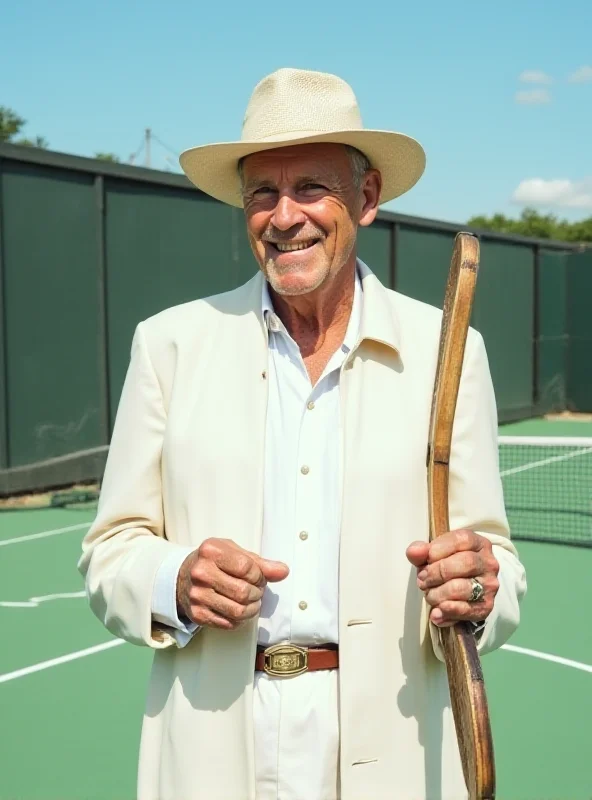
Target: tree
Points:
(539, 226)
(38, 141)
(107, 157)
(11, 125)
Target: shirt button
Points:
(304, 470)
(303, 535)
(303, 605)
(310, 405)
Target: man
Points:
(266, 484)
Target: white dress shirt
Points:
(296, 720)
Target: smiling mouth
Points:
(290, 247)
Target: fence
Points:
(88, 248)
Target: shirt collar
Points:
(274, 324)
(379, 321)
(266, 304)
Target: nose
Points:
(287, 213)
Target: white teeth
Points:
(286, 248)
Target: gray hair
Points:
(360, 164)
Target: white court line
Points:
(34, 602)
(566, 662)
(546, 441)
(44, 534)
(54, 662)
(546, 461)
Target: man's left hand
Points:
(445, 568)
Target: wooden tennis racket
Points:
(465, 677)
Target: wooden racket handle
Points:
(465, 677)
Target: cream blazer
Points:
(186, 463)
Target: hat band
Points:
(297, 134)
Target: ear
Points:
(371, 189)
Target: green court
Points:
(72, 698)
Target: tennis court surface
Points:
(72, 697)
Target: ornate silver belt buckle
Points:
(285, 660)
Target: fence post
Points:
(393, 255)
(102, 324)
(536, 329)
(4, 454)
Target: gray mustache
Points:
(280, 237)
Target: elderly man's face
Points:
(302, 210)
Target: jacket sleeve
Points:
(125, 546)
(475, 494)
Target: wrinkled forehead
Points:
(318, 158)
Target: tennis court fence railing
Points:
(548, 488)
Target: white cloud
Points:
(557, 193)
(581, 75)
(533, 97)
(534, 76)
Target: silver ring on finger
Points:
(477, 591)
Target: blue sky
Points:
(92, 76)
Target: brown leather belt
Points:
(287, 660)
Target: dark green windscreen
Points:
(164, 247)
(422, 263)
(504, 314)
(579, 322)
(51, 306)
(374, 248)
(552, 339)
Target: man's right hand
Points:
(220, 585)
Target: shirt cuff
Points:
(164, 597)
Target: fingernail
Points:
(422, 575)
(437, 615)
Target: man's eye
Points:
(262, 190)
(313, 187)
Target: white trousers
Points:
(296, 723)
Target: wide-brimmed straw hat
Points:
(293, 106)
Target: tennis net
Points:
(548, 488)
